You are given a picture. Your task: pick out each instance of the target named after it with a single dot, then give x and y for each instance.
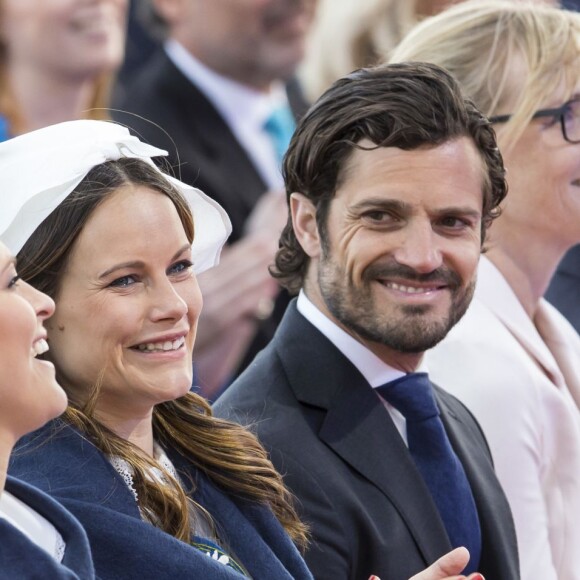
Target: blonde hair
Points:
(509, 57)
(351, 34)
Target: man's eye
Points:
(453, 222)
(378, 216)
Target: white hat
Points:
(38, 170)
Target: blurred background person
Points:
(57, 59)
(220, 96)
(351, 34)
(140, 45)
(513, 359)
(38, 537)
(564, 288)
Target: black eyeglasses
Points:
(568, 115)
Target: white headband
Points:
(38, 170)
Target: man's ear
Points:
(304, 223)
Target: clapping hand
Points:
(448, 567)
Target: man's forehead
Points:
(454, 165)
(366, 154)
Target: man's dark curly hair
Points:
(405, 105)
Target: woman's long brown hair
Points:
(227, 453)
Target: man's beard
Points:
(404, 328)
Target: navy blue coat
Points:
(71, 469)
(21, 558)
(328, 432)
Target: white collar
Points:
(373, 369)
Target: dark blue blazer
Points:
(71, 469)
(331, 437)
(564, 289)
(22, 559)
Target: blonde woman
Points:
(57, 58)
(513, 359)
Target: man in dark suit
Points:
(392, 179)
(220, 98)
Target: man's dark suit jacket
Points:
(330, 436)
(175, 115)
(564, 290)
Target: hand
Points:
(236, 294)
(446, 568)
(234, 289)
(269, 216)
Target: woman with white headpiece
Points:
(162, 488)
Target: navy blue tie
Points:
(412, 395)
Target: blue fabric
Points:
(280, 127)
(4, 129)
(412, 395)
(23, 559)
(62, 462)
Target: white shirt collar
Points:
(373, 369)
(236, 102)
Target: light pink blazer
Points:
(521, 379)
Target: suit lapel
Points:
(564, 344)
(358, 428)
(497, 295)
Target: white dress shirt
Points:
(370, 366)
(244, 110)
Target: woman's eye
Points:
(180, 267)
(123, 282)
(13, 281)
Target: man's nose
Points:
(418, 247)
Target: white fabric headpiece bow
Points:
(38, 170)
